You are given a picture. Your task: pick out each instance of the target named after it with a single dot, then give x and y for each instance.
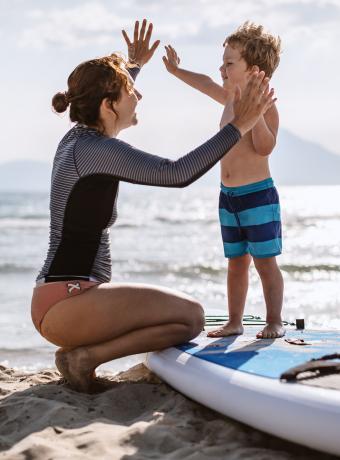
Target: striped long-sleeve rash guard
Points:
(86, 172)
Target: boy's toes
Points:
(216, 333)
(271, 331)
(227, 330)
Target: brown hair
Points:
(257, 47)
(91, 82)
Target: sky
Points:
(42, 42)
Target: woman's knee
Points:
(194, 317)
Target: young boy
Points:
(249, 203)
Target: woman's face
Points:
(126, 106)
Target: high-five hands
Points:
(139, 50)
(256, 99)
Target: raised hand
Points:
(139, 50)
(171, 60)
(254, 102)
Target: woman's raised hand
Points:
(139, 50)
(171, 60)
(254, 102)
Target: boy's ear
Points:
(255, 68)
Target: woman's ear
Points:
(106, 107)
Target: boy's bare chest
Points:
(242, 152)
(242, 159)
(244, 146)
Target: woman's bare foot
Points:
(227, 329)
(271, 331)
(75, 365)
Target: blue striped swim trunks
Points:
(250, 220)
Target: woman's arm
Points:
(133, 71)
(201, 82)
(101, 155)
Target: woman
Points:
(74, 304)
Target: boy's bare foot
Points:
(227, 329)
(76, 367)
(271, 331)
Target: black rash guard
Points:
(87, 169)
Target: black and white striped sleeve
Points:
(133, 71)
(101, 155)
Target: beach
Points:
(136, 417)
(139, 417)
(101, 99)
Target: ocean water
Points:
(172, 238)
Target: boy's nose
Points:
(222, 71)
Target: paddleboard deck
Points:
(268, 357)
(239, 376)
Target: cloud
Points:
(191, 21)
(89, 24)
(78, 26)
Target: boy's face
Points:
(234, 70)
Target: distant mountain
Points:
(294, 162)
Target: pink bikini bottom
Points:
(46, 295)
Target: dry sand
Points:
(137, 417)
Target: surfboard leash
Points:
(248, 320)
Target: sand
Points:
(137, 417)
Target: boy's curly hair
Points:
(257, 47)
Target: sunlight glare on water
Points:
(172, 238)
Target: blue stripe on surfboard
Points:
(255, 216)
(266, 358)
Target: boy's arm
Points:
(198, 81)
(265, 131)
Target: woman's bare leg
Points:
(78, 365)
(111, 321)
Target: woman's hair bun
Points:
(60, 102)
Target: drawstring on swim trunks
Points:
(230, 196)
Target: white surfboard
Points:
(239, 376)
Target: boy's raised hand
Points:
(171, 60)
(139, 50)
